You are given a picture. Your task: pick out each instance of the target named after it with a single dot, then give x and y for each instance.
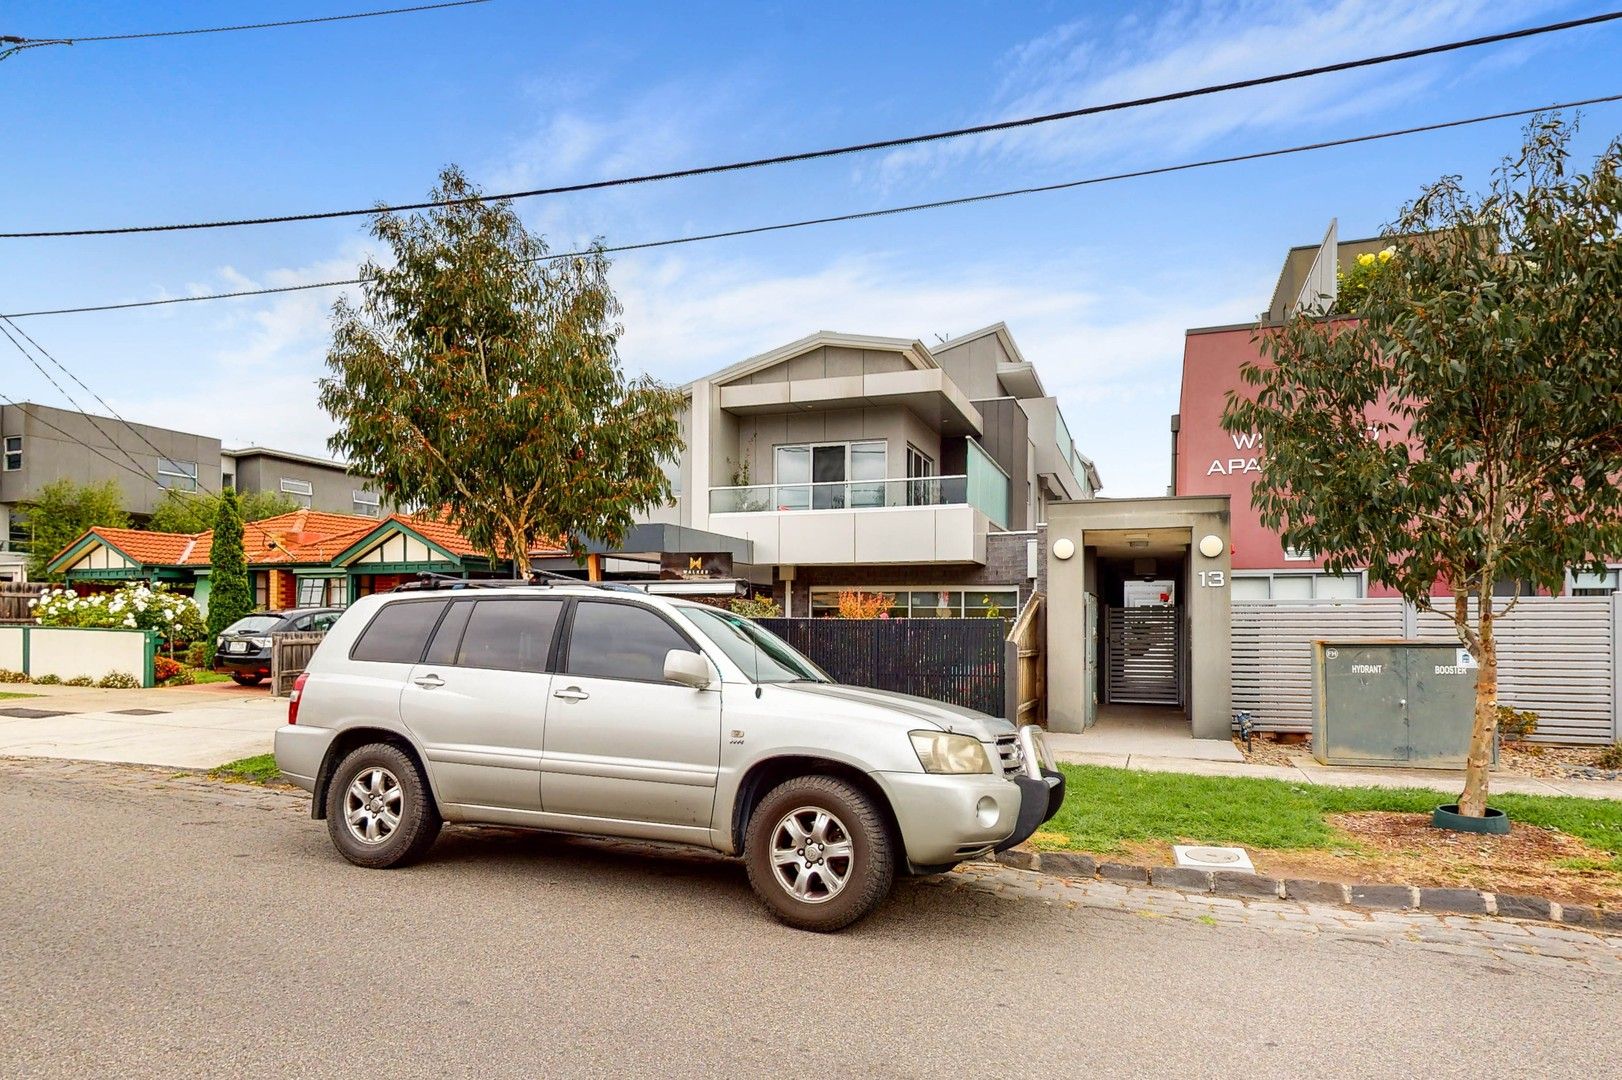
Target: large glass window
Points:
(323, 591)
(399, 632)
(944, 602)
(621, 641)
(14, 453)
(764, 656)
(1297, 586)
(511, 635)
(179, 475)
(829, 476)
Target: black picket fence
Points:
(959, 661)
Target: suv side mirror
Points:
(687, 669)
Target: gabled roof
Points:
(146, 548)
(999, 330)
(914, 351)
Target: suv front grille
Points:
(1009, 755)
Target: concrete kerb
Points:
(1370, 897)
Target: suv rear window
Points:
(398, 633)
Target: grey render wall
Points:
(67, 454)
(333, 488)
(973, 364)
(829, 361)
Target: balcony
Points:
(841, 495)
(936, 519)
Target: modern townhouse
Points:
(314, 483)
(848, 462)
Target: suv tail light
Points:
(292, 699)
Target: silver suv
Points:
(609, 712)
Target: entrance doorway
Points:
(1142, 650)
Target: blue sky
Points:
(1096, 284)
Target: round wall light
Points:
(1063, 548)
(1211, 545)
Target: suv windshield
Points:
(252, 623)
(762, 655)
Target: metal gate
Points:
(1144, 655)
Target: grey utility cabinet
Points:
(1392, 702)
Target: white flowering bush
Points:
(135, 606)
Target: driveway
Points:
(173, 927)
(191, 727)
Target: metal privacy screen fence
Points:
(957, 661)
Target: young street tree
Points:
(59, 513)
(1494, 338)
(230, 596)
(479, 379)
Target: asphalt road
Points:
(151, 926)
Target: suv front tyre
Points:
(818, 852)
(380, 812)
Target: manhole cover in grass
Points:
(1212, 858)
(34, 714)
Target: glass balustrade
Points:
(841, 495)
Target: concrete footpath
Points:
(188, 727)
(1068, 748)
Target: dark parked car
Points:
(243, 648)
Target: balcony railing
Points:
(841, 495)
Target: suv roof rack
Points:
(428, 581)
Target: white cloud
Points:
(1189, 45)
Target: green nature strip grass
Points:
(1105, 808)
(259, 769)
(7, 695)
(202, 677)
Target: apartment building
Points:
(312, 482)
(846, 461)
(42, 444)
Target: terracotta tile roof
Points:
(148, 548)
(302, 538)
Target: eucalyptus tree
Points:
(1458, 431)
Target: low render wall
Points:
(71, 653)
(1557, 656)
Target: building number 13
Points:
(1213, 579)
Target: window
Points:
(399, 632)
(14, 453)
(320, 624)
(819, 476)
(1291, 585)
(1295, 554)
(365, 502)
(261, 589)
(920, 467)
(228, 480)
(323, 592)
(510, 635)
(931, 603)
(621, 641)
(177, 475)
(301, 490)
(17, 534)
(1586, 584)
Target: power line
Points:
(889, 211)
(81, 409)
(27, 43)
(101, 400)
(855, 148)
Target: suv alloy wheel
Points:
(380, 812)
(818, 853)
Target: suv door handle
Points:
(573, 693)
(429, 681)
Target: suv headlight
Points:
(943, 752)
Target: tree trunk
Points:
(520, 563)
(1473, 802)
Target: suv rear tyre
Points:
(380, 811)
(819, 853)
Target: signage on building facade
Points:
(694, 565)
